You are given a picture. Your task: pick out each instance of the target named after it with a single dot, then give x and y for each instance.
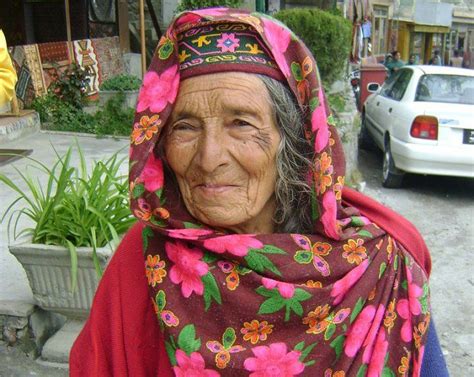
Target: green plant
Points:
(337, 102)
(75, 207)
(327, 36)
(114, 119)
(70, 85)
(121, 82)
(197, 4)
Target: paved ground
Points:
(442, 208)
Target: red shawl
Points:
(348, 299)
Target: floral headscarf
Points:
(346, 300)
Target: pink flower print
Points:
(286, 289)
(377, 360)
(279, 39)
(274, 361)
(158, 90)
(358, 331)
(188, 233)
(414, 292)
(190, 18)
(329, 217)
(374, 329)
(408, 307)
(319, 124)
(218, 11)
(188, 267)
(192, 365)
(228, 42)
(236, 244)
(152, 174)
(417, 362)
(341, 286)
(403, 309)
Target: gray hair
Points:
(294, 162)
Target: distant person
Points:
(7, 73)
(412, 60)
(395, 64)
(456, 60)
(366, 34)
(466, 61)
(436, 59)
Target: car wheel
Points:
(391, 176)
(365, 140)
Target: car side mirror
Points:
(373, 87)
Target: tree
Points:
(197, 4)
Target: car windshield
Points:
(446, 88)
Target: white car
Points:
(422, 118)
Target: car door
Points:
(375, 114)
(391, 107)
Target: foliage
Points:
(73, 208)
(114, 119)
(197, 4)
(337, 102)
(70, 85)
(56, 115)
(327, 36)
(121, 82)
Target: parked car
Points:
(422, 119)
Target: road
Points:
(442, 208)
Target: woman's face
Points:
(221, 143)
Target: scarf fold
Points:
(346, 300)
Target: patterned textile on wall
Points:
(86, 56)
(55, 59)
(31, 82)
(109, 57)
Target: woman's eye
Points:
(241, 123)
(183, 127)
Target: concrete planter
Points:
(48, 269)
(130, 97)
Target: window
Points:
(399, 85)
(380, 29)
(387, 85)
(446, 88)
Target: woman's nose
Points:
(212, 151)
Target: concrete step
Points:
(15, 127)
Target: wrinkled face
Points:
(221, 143)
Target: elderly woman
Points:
(249, 258)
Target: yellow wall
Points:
(403, 45)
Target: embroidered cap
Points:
(223, 47)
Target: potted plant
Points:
(77, 216)
(126, 85)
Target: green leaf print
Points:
(329, 331)
(229, 337)
(299, 346)
(160, 300)
(171, 351)
(271, 249)
(425, 306)
(357, 308)
(313, 103)
(211, 290)
(159, 193)
(357, 221)
(209, 257)
(296, 70)
(338, 345)
(303, 257)
(404, 284)
(307, 351)
(383, 266)
(387, 372)
(365, 233)
(262, 291)
(260, 263)
(146, 234)
(301, 294)
(271, 305)
(189, 225)
(362, 370)
(187, 340)
(395, 263)
(138, 190)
